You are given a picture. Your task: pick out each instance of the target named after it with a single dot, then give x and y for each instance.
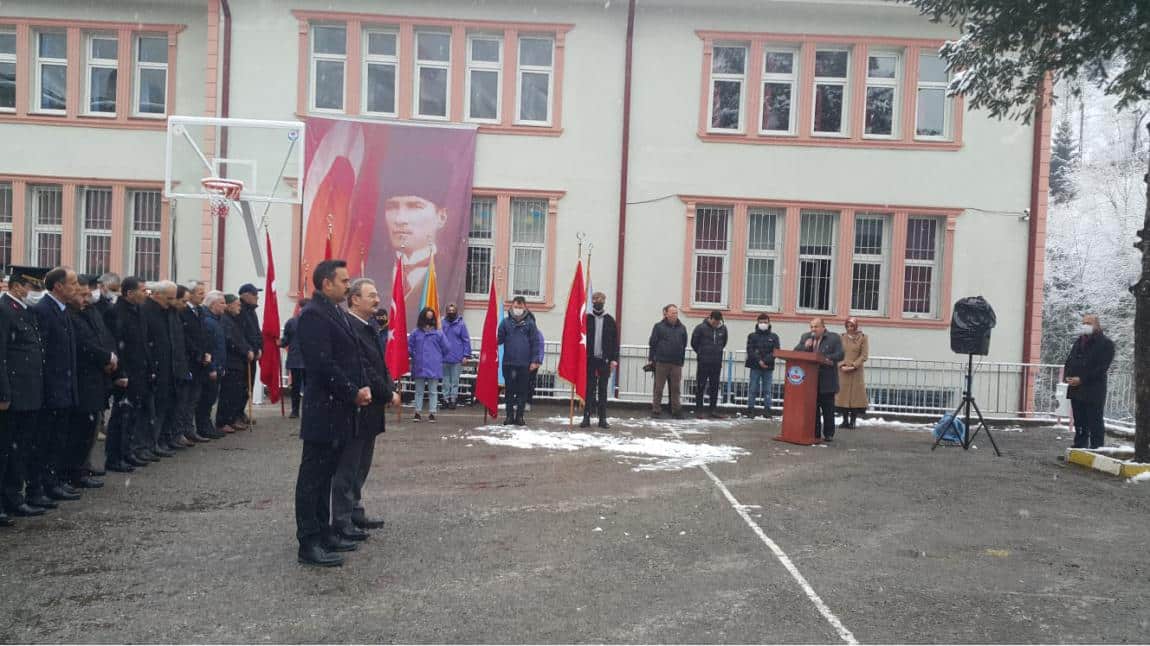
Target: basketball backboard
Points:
(267, 156)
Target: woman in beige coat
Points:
(851, 399)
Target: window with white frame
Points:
(151, 80)
(100, 88)
(528, 246)
(780, 77)
(883, 71)
(832, 74)
(932, 113)
(536, 76)
(51, 72)
(728, 80)
(328, 67)
(480, 246)
(145, 212)
(818, 234)
(764, 258)
(5, 225)
(484, 60)
(96, 230)
(712, 255)
(47, 211)
(432, 72)
(921, 271)
(870, 263)
(380, 67)
(7, 70)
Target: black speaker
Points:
(970, 326)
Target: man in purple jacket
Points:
(459, 353)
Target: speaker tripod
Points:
(964, 408)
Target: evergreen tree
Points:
(1063, 161)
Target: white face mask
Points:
(113, 296)
(763, 327)
(1085, 329)
(95, 296)
(517, 312)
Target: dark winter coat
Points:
(132, 349)
(94, 348)
(335, 372)
(236, 343)
(520, 341)
(250, 325)
(166, 347)
(289, 341)
(217, 342)
(59, 339)
(372, 417)
(195, 340)
(1089, 360)
(668, 343)
(610, 349)
(830, 347)
(708, 342)
(21, 357)
(761, 346)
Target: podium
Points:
(800, 396)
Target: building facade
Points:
(795, 158)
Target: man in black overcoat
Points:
(61, 395)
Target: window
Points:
(712, 247)
(480, 246)
(5, 226)
(484, 59)
(380, 63)
(100, 89)
(96, 234)
(328, 59)
(932, 116)
(7, 71)
(145, 213)
(832, 67)
(151, 76)
(869, 269)
(780, 75)
(528, 244)
(46, 202)
(764, 239)
(433, 61)
(728, 71)
(882, 94)
(51, 72)
(536, 61)
(920, 285)
(817, 236)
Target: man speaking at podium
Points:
(830, 346)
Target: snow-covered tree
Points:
(1063, 159)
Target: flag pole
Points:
(571, 409)
(280, 376)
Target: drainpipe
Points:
(624, 166)
(225, 100)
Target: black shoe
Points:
(58, 493)
(352, 533)
(294, 415)
(148, 456)
(769, 414)
(88, 483)
(42, 501)
(98, 473)
(337, 544)
(5, 521)
(417, 418)
(656, 414)
(119, 467)
(314, 554)
(603, 424)
(161, 452)
(27, 510)
(67, 486)
(509, 421)
(519, 421)
(586, 423)
(368, 522)
(431, 417)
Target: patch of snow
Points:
(597, 529)
(1141, 477)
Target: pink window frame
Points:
(126, 33)
(805, 45)
(406, 27)
(788, 306)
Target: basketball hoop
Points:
(221, 193)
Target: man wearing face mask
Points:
(459, 353)
(602, 358)
(1085, 372)
(107, 293)
(761, 346)
(709, 340)
(517, 335)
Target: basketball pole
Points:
(249, 382)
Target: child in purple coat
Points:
(427, 347)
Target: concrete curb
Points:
(1114, 462)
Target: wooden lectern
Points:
(800, 396)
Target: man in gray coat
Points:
(828, 344)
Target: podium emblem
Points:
(796, 375)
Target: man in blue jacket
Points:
(338, 387)
(517, 335)
(216, 344)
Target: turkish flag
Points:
(398, 361)
(487, 374)
(573, 351)
(270, 367)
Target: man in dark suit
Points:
(602, 358)
(337, 389)
(349, 518)
(191, 317)
(109, 286)
(21, 394)
(169, 366)
(214, 304)
(250, 325)
(61, 394)
(96, 363)
(294, 363)
(1085, 372)
(129, 429)
(234, 384)
(828, 344)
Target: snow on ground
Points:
(653, 454)
(1141, 477)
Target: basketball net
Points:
(221, 193)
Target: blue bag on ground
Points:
(955, 432)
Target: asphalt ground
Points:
(501, 544)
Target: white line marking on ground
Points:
(741, 509)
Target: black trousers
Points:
(825, 416)
(532, 381)
(517, 387)
(317, 466)
(120, 429)
(141, 427)
(164, 417)
(209, 393)
(187, 397)
(347, 483)
(1089, 424)
(81, 438)
(52, 451)
(233, 396)
(707, 380)
(297, 382)
(598, 374)
(23, 474)
(7, 449)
